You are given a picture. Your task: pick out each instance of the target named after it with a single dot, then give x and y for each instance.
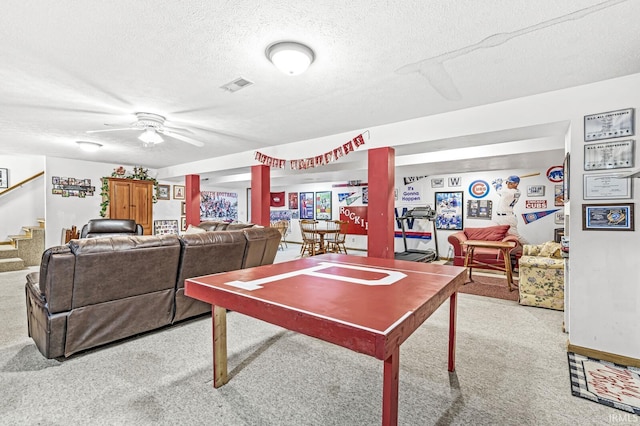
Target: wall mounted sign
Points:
(606, 186)
(357, 219)
(609, 125)
(609, 155)
(535, 191)
(555, 174)
(437, 183)
(535, 204)
(478, 189)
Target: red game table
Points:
(366, 304)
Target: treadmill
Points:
(415, 255)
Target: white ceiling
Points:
(68, 67)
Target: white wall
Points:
(22, 206)
(64, 212)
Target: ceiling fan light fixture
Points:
(150, 136)
(290, 57)
(89, 146)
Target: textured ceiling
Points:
(68, 67)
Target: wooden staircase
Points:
(23, 250)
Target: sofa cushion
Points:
(191, 229)
(490, 233)
(551, 249)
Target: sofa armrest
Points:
(456, 239)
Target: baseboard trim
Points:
(604, 356)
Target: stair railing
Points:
(19, 184)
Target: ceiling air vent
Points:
(237, 84)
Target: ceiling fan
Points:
(152, 127)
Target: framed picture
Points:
(183, 208)
(306, 205)
(558, 195)
(609, 125)
(163, 192)
(558, 233)
(559, 218)
(162, 227)
(535, 191)
(607, 217)
(609, 155)
(449, 210)
(4, 178)
(479, 209)
(293, 201)
(323, 205)
(566, 170)
(606, 186)
(183, 223)
(178, 192)
(437, 183)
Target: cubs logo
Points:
(478, 189)
(555, 174)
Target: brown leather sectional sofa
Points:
(98, 290)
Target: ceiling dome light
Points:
(149, 136)
(290, 57)
(89, 146)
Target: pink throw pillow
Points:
(490, 233)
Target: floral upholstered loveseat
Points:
(542, 276)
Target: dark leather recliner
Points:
(110, 227)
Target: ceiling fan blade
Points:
(111, 130)
(178, 129)
(183, 138)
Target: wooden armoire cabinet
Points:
(132, 199)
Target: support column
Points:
(192, 199)
(260, 194)
(381, 179)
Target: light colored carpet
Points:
(511, 370)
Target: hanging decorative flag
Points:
(342, 196)
(348, 147)
(337, 153)
(277, 199)
(533, 216)
(316, 161)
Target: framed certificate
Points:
(606, 186)
(609, 155)
(609, 125)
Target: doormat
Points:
(604, 382)
(488, 286)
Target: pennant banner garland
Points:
(316, 161)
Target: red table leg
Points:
(453, 306)
(390, 388)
